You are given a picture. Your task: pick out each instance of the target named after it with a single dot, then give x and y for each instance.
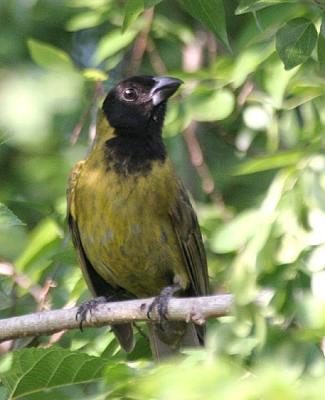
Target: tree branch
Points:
(197, 309)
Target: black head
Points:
(136, 106)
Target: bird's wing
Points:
(95, 282)
(189, 237)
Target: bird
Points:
(132, 224)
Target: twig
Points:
(319, 4)
(202, 168)
(23, 281)
(212, 47)
(78, 127)
(156, 61)
(197, 159)
(179, 309)
(97, 93)
(193, 58)
(37, 292)
(140, 43)
(244, 93)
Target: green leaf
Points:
(93, 74)
(3, 393)
(212, 105)
(248, 61)
(133, 9)
(151, 3)
(37, 370)
(48, 56)
(8, 218)
(295, 42)
(321, 47)
(236, 233)
(246, 6)
(258, 164)
(112, 43)
(85, 20)
(302, 94)
(93, 4)
(43, 235)
(210, 13)
(5, 301)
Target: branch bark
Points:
(197, 309)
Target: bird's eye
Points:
(130, 94)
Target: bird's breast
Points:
(125, 226)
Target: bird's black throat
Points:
(133, 149)
(126, 155)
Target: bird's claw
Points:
(86, 309)
(161, 302)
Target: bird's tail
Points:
(161, 350)
(124, 334)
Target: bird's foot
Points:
(161, 302)
(86, 309)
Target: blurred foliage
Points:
(246, 135)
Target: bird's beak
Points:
(164, 87)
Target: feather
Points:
(96, 284)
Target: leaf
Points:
(236, 233)
(248, 61)
(43, 235)
(321, 47)
(37, 370)
(212, 105)
(112, 43)
(93, 4)
(258, 164)
(8, 218)
(85, 20)
(3, 393)
(246, 6)
(93, 74)
(300, 95)
(276, 82)
(210, 13)
(151, 3)
(5, 301)
(295, 41)
(132, 10)
(48, 56)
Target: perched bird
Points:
(131, 220)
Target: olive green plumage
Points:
(131, 220)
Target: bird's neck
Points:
(104, 131)
(129, 155)
(127, 151)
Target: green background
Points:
(246, 133)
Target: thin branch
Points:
(319, 4)
(244, 93)
(140, 43)
(37, 292)
(202, 168)
(193, 58)
(156, 61)
(89, 110)
(197, 309)
(78, 127)
(198, 162)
